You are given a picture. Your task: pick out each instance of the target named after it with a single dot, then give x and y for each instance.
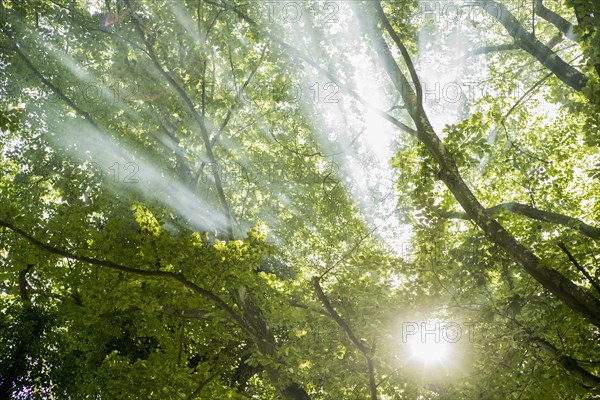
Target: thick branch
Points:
(540, 215)
(528, 42)
(414, 108)
(559, 22)
(570, 364)
(23, 285)
(409, 64)
(491, 49)
(336, 317)
(348, 331)
(574, 296)
(147, 273)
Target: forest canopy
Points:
(345, 199)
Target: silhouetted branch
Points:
(178, 277)
(348, 331)
(579, 267)
(588, 379)
(540, 215)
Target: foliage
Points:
(177, 188)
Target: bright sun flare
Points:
(428, 343)
(429, 351)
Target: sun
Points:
(429, 343)
(429, 351)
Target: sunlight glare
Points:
(429, 351)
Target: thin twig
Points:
(579, 267)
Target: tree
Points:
(182, 216)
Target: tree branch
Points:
(23, 285)
(571, 294)
(257, 326)
(528, 42)
(581, 269)
(348, 331)
(589, 380)
(540, 215)
(46, 82)
(531, 89)
(178, 277)
(197, 117)
(298, 54)
(407, 60)
(491, 49)
(239, 92)
(196, 393)
(587, 17)
(559, 22)
(181, 162)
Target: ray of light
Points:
(89, 145)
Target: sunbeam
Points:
(89, 145)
